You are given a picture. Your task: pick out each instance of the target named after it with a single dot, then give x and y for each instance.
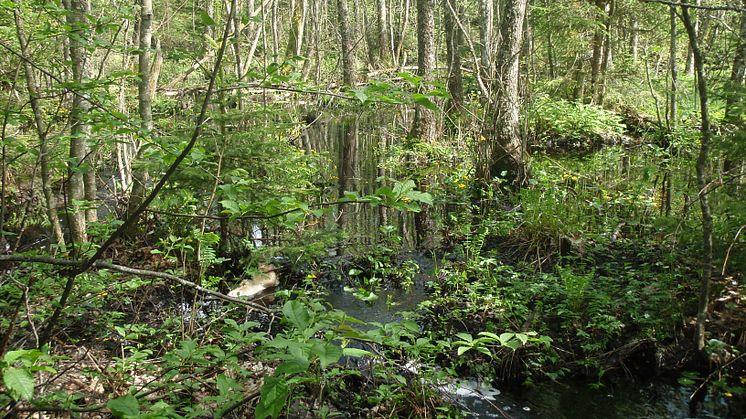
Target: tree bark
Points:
(734, 95)
(297, 28)
(77, 186)
(424, 119)
(702, 180)
(607, 53)
(347, 46)
(453, 46)
(486, 36)
(140, 175)
(507, 150)
(597, 45)
(33, 92)
(384, 44)
(690, 55)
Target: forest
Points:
(373, 208)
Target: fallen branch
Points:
(133, 271)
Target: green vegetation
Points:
(564, 207)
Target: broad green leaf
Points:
(424, 101)
(296, 313)
(465, 337)
(505, 337)
(124, 407)
(490, 335)
(20, 382)
(355, 352)
(292, 366)
(461, 349)
(273, 395)
(418, 196)
(328, 353)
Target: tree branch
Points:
(131, 271)
(695, 6)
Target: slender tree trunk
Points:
(734, 97)
(384, 45)
(597, 45)
(76, 184)
(297, 28)
(424, 120)
(690, 55)
(144, 106)
(733, 107)
(33, 92)
(122, 146)
(453, 46)
(578, 92)
(507, 150)
(607, 53)
(486, 36)
(702, 180)
(348, 51)
(671, 120)
(635, 41)
(399, 59)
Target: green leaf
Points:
(297, 314)
(505, 337)
(328, 353)
(205, 18)
(20, 383)
(124, 407)
(292, 366)
(273, 395)
(357, 353)
(226, 384)
(461, 349)
(465, 337)
(424, 101)
(418, 196)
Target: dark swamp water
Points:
(355, 144)
(626, 397)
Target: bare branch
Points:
(726, 7)
(131, 271)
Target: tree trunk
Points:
(671, 120)
(506, 154)
(734, 96)
(424, 119)
(384, 44)
(597, 45)
(733, 102)
(348, 51)
(453, 46)
(140, 175)
(607, 50)
(297, 28)
(635, 41)
(486, 35)
(702, 180)
(33, 92)
(398, 58)
(76, 184)
(690, 55)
